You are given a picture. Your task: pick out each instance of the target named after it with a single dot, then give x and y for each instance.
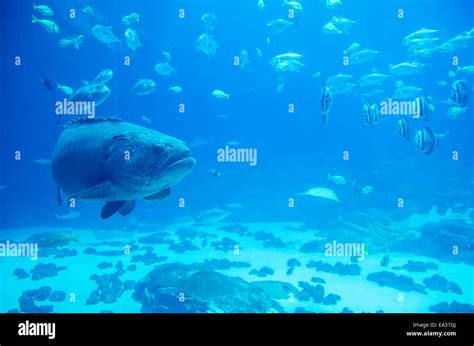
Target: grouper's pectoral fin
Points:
(123, 207)
(103, 190)
(110, 208)
(127, 208)
(162, 194)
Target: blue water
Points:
(295, 150)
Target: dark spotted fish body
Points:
(105, 159)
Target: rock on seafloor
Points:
(263, 272)
(21, 273)
(223, 264)
(331, 299)
(225, 244)
(317, 280)
(312, 246)
(156, 238)
(181, 288)
(57, 296)
(316, 293)
(105, 265)
(269, 239)
(293, 262)
(418, 266)
(402, 282)
(41, 271)
(440, 283)
(28, 298)
(339, 268)
(183, 246)
(236, 228)
(454, 307)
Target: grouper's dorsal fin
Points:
(85, 121)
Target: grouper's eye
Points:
(158, 150)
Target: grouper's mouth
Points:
(186, 162)
(160, 174)
(181, 162)
(176, 165)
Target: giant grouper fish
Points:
(106, 159)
